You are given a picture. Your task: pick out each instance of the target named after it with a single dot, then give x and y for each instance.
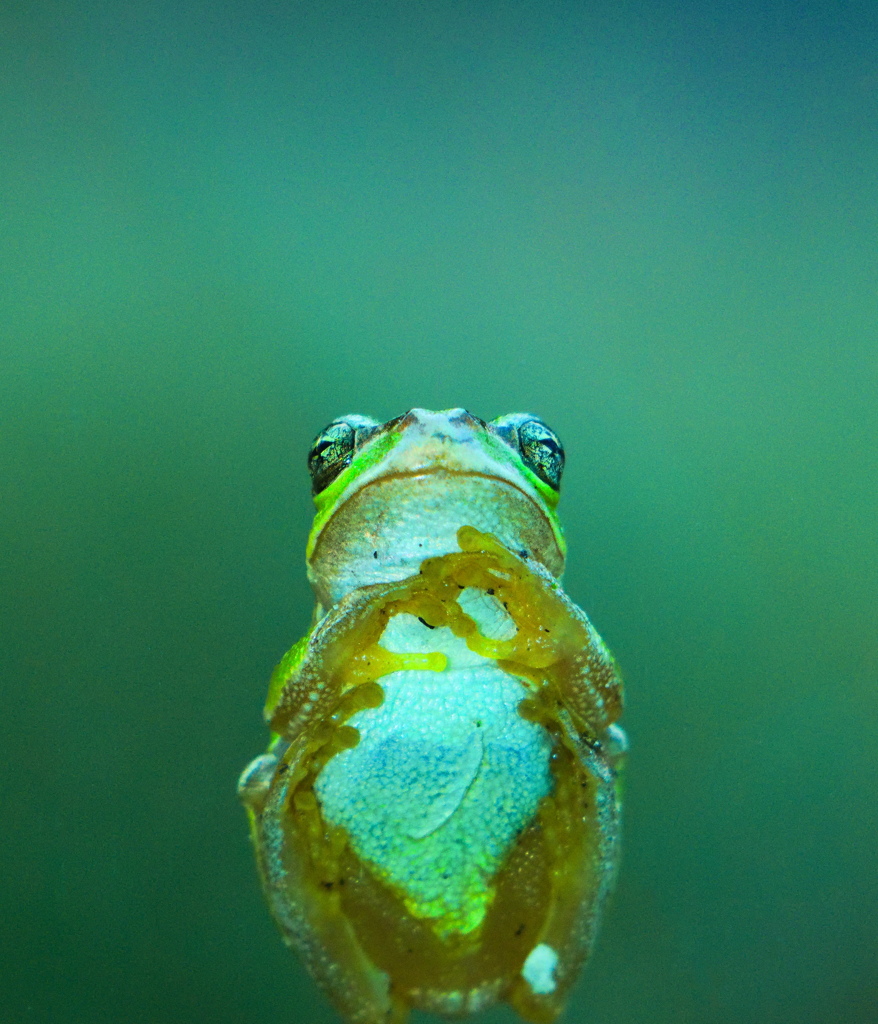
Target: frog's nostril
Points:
(463, 418)
(451, 425)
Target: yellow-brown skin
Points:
(374, 958)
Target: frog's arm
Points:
(285, 671)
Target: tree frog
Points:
(436, 820)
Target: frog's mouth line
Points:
(433, 471)
(410, 474)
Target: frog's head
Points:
(390, 495)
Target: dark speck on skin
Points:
(427, 624)
(374, 554)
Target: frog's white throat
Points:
(384, 531)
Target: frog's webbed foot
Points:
(255, 781)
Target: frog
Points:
(436, 820)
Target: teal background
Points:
(223, 224)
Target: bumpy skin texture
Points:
(521, 928)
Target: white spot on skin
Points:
(539, 969)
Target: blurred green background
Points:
(224, 223)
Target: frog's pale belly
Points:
(445, 776)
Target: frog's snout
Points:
(449, 426)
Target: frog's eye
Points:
(334, 447)
(540, 448)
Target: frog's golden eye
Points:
(334, 447)
(540, 448)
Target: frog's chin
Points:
(384, 531)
